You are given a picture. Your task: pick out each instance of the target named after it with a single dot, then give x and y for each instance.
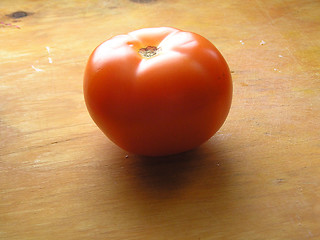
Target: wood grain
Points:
(257, 178)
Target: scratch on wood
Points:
(279, 180)
(44, 145)
(64, 140)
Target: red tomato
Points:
(158, 91)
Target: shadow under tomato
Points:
(163, 176)
(168, 176)
(187, 193)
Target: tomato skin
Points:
(165, 104)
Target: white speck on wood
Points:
(262, 42)
(48, 49)
(241, 42)
(50, 59)
(37, 69)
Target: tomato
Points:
(158, 91)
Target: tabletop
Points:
(257, 178)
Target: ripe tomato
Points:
(158, 91)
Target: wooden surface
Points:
(257, 178)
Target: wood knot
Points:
(18, 14)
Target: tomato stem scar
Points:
(149, 51)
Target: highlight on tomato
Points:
(158, 91)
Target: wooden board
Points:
(257, 178)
